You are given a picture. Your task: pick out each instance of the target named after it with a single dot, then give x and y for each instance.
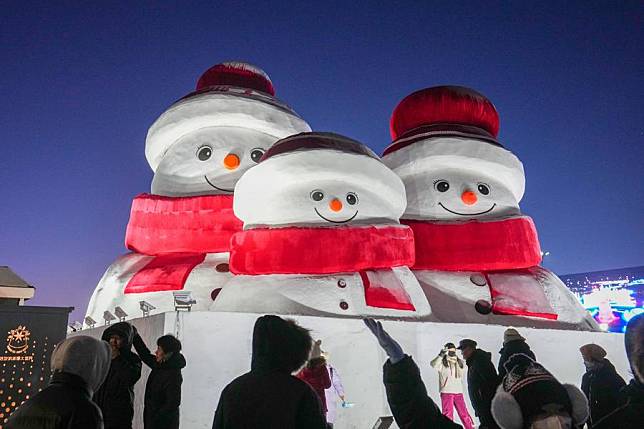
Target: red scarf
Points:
(179, 232)
(475, 245)
(501, 249)
(345, 249)
(369, 250)
(160, 225)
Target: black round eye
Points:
(484, 189)
(256, 154)
(317, 195)
(441, 186)
(352, 198)
(204, 153)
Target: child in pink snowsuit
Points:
(450, 378)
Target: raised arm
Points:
(144, 353)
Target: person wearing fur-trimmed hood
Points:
(530, 397)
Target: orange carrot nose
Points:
(231, 161)
(469, 198)
(335, 205)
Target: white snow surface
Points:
(108, 295)
(279, 191)
(217, 347)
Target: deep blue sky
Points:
(81, 84)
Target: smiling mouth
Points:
(217, 187)
(336, 221)
(467, 214)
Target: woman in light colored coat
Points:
(450, 384)
(332, 394)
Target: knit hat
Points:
(529, 390)
(511, 334)
(592, 352)
(451, 126)
(230, 94)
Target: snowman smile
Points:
(216, 187)
(336, 221)
(468, 214)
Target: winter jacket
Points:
(268, 396)
(447, 380)
(602, 387)
(163, 388)
(318, 378)
(115, 397)
(630, 414)
(482, 381)
(79, 366)
(407, 397)
(512, 348)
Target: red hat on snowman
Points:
(452, 127)
(230, 94)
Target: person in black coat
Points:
(163, 388)
(79, 365)
(630, 414)
(513, 343)
(406, 393)
(482, 381)
(115, 397)
(269, 396)
(602, 385)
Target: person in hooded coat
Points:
(163, 388)
(268, 396)
(406, 393)
(602, 385)
(513, 343)
(450, 384)
(79, 365)
(115, 397)
(482, 381)
(530, 397)
(630, 414)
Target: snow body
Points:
(455, 174)
(198, 147)
(322, 188)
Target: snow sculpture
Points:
(321, 235)
(477, 256)
(198, 149)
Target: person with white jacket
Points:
(450, 378)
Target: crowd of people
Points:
(291, 384)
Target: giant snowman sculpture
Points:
(198, 149)
(322, 235)
(477, 255)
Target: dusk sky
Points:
(81, 84)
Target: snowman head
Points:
(204, 142)
(319, 179)
(446, 152)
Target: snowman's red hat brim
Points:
(458, 152)
(220, 107)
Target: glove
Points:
(389, 345)
(442, 352)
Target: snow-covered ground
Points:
(217, 347)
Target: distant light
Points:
(183, 300)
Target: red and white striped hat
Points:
(230, 94)
(453, 127)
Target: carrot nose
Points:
(469, 198)
(335, 205)
(231, 161)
